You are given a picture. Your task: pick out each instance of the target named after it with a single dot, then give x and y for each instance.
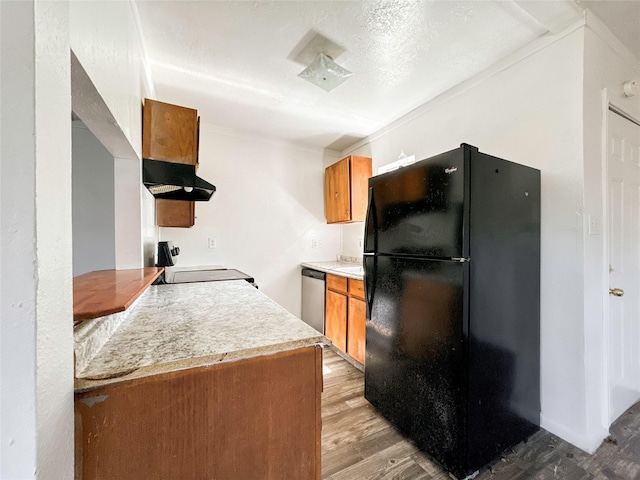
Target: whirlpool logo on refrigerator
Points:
(450, 169)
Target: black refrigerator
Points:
(452, 287)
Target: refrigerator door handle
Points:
(370, 262)
(370, 227)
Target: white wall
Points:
(128, 207)
(529, 112)
(268, 207)
(352, 238)
(110, 79)
(104, 37)
(94, 238)
(607, 66)
(36, 343)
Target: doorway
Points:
(623, 204)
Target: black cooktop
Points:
(210, 276)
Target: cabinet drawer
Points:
(356, 288)
(337, 283)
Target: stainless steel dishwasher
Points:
(313, 298)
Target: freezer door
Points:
(415, 350)
(420, 210)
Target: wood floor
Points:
(358, 444)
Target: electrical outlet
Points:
(594, 225)
(212, 243)
(314, 243)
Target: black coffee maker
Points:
(167, 254)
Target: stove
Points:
(167, 254)
(204, 274)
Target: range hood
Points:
(175, 181)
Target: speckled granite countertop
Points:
(179, 326)
(335, 268)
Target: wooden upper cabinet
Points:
(169, 132)
(175, 213)
(337, 196)
(346, 188)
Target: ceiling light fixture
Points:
(325, 73)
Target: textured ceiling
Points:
(237, 61)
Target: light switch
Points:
(594, 225)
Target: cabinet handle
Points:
(336, 194)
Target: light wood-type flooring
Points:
(358, 444)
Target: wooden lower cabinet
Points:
(336, 319)
(252, 418)
(345, 315)
(356, 326)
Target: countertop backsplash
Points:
(348, 259)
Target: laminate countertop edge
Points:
(333, 268)
(180, 326)
(87, 384)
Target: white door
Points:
(624, 264)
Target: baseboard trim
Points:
(588, 443)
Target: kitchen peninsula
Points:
(201, 380)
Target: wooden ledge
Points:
(104, 292)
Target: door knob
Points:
(616, 292)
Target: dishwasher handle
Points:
(309, 272)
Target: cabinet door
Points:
(356, 329)
(360, 171)
(169, 132)
(336, 319)
(255, 418)
(175, 213)
(337, 283)
(336, 192)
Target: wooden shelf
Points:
(104, 292)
